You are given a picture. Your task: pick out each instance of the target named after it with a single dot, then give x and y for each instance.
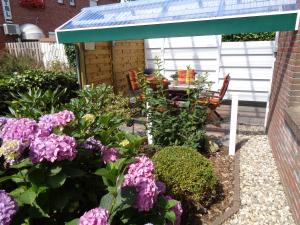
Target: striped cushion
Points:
(186, 76)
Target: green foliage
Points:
(262, 36)
(173, 122)
(54, 193)
(187, 174)
(118, 200)
(36, 103)
(100, 100)
(10, 64)
(71, 54)
(37, 78)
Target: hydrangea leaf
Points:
(72, 222)
(107, 201)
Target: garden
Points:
(64, 158)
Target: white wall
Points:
(250, 64)
(201, 53)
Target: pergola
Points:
(144, 19)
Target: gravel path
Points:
(262, 197)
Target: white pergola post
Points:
(149, 125)
(233, 123)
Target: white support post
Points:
(233, 123)
(149, 124)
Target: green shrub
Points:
(10, 64)
(37, 78)
(261, 36)
(171, 124)
(100, 99)
(187, 174)
(36, 102)
(71, 54)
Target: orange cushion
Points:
(135, 86)
(186, 76)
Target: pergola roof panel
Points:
(162, 12)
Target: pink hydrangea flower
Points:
(52, 148)
(56, 119)
(97, 216)
(140, 175)
(177, 209)
(8, 208)
(109, 154)
(22, 130)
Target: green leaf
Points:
(171, 203)
(107, 201)
(171, 216)
(55, 170)
(2, 179)
(125, 198)
(27, 197)
(73, 172)
(23, 164)
(72, 222)
(37, 176)
(36, 211)
(102, 172)
(57, 180)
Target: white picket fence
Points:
(42, 52)
(250, 64)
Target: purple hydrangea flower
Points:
(140, 175)
(11, 150)
(56, 119)
(177, 209)
(8, 208)
(22, 130)
(52, 148)
(3, 120)
(97, 216)
(109, 154)
(92, 144)
(161, 187)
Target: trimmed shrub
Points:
(261, 36)
(187, 174)
(37, 78)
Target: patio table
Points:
(179, 90)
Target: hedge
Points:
(188, 174)
(36, 78)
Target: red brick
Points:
(284, 92)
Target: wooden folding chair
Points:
(214, 98)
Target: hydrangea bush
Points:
(60, 168)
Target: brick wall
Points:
(49, 18)
(285, 94)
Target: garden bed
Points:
(224, 166)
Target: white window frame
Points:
(60, 1)
(72, 2)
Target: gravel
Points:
(262, 196)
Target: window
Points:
(93, 3)
(72, 2)
(60, 1)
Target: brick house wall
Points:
(48, 19)
(283, 135)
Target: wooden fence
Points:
(45, 53)
(109, 62)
